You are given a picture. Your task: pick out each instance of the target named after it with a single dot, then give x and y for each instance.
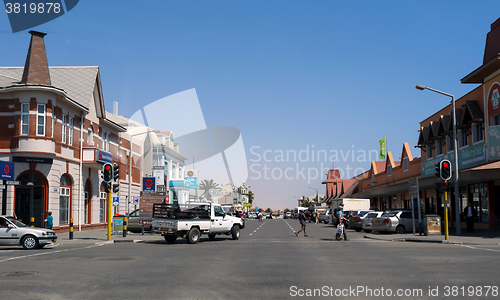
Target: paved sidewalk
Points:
(100, 236)
(479, 237)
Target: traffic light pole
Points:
(446, 236)
(109, 216)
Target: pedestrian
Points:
(302, 220)
(49, 220)
(316, 216)
(341, 221)
(470, 213)
(260, 217)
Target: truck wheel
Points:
(235, 232)
(170, 238)
(193, 236)
(211, 236)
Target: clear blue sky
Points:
(338, 75)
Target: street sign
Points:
(12, 182)
(148, 183)
(247, 204)
(413, 187)
(146, 205)
(116, 201)
(136, 200)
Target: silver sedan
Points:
(15, 232)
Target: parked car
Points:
(398, 221)
(348, 214)
(356, 222)
(15, 232)
(133, 222)
(367, 221)
(325, 216)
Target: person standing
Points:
(316, 216)
(260, 217)
(302, 220)
(49, 220)
(470, 213)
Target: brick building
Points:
(56, 137)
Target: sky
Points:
(296, 78)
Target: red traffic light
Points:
(107, 167)
(445, 164)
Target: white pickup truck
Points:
(192, 220)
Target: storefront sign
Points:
(104, 157)
(21, 159)
(13, 182)
(247, 204)
(467, 157)
(494, 142)
(159, 175)
(148, 184)
(6, 170)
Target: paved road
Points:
(268, 262)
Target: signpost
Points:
(146, 205)
(414, 193)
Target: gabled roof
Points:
(77, 82)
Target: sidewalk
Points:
(479, 237)
(100, 236)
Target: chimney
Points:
(115, 108)
(36, 68)
(492, 48)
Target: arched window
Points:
(64, 199)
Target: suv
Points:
(398, 221)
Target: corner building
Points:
(56, 137)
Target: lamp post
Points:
(455, 150)
(317, 194)
(130, 166)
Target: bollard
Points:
(71, 228)
(125, 226)
(32, 221)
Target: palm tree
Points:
(206, 185)
(250, 197)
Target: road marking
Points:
(45, 253)
(467, 246)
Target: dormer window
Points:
(405, 164)
(389, 170)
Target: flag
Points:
(383, 147)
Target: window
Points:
(102, 204)
(40, 119)
(405, 164)
(477, 132)
(180, 173)
(64, 128)
(25, 118)
(450, 145)
(463, 141)
(428, 150)
(439, 148)
(70, 132)
(107, 141)
(90, 136)
(495, 120)
(389, 170)
(103, 141)
(64, 200)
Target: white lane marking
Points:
(46, 253)
(467, 246)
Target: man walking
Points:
(302, 220)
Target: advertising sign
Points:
(6, 170)
(494, 142)
(104, 157)
(191, 182)
(147, 199)
(247, 204)
(148, 184)
(159, 175)
(32, 160)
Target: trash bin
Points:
(118, 223)
(432, 225)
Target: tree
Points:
(306, 203)
(250, 197)
(268, 210)
(286, 210)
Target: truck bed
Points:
(176, 212)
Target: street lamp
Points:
(130, 166)
(455, 146)
(317, 196)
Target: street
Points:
(268, 262)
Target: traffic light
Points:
(106, 187)
(446, 186)
(439, 186)
(116, 187)
(445, 167)
(107, 171)
(116, 172)
(438, 169)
